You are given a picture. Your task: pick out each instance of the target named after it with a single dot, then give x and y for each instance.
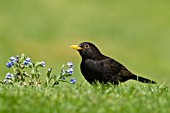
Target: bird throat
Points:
(93, 57)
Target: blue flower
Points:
(42, 63)
(13, 59)
(70, 71)
(70, 64)
(72, 80)
(8, 75)
(9, 64)
(27, 61)
(13, 62)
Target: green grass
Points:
(83, 98)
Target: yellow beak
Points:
(76, 47)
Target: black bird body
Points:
(97, 67)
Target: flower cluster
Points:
(64, 74)
(11, 62)
(68, 72)
(16, 60)
(27, 73)
(20, 75)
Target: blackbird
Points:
(97, 67)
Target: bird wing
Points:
(104, 70)
(111, 66)
(117, 68)
(115, 71)
(105, 66)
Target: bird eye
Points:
(86, 46)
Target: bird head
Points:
(87, 50)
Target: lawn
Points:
(135, 33)
(82, 98)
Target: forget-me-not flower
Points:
(13, 59)
(70, 64)
(8, 75)
(70, 71)
(72, 80)
(9, 64)
(27, 61)
(42, 63)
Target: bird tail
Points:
(142, 79)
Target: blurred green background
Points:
(136, 33)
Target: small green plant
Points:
(53, 79)
(27, 73)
